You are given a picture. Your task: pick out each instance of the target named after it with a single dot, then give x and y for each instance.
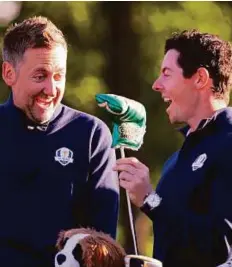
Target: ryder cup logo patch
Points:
(64, 156)
(199, 162)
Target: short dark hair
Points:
(204, 50)
(35, 32)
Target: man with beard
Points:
(56, 162)
(194, 195)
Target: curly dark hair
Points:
(204, 50)
(35, 32)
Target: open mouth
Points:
(44, 103)
(168, 101)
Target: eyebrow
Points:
(41, 69)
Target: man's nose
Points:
(51, 88)
(157, 86)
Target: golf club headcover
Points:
(129, 120)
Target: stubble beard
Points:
(43, 117)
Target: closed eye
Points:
(166, 72)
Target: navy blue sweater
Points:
(196, 192)
(53, 177)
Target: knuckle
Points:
(146, 171)
(132, 170)
(134, 160)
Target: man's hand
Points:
(134, 177)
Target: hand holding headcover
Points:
(129, 126)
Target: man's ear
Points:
(8, 73)
(202, 78)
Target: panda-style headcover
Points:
(88, 248)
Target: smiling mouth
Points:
(44, 103)
(168, 101)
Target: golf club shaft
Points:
(130, 211)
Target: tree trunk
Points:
(121, 49)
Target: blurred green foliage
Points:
(117, 47)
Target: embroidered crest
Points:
(64, 156)
(199, 162)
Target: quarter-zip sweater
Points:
(196, 192)
(52, 177)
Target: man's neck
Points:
(205, 113)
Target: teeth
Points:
(167, 100)
(45, 103)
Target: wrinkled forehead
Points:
(73, 241)
(55, 57)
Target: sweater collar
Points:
(17, 114)
(221, 119)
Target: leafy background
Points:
(117, 47)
